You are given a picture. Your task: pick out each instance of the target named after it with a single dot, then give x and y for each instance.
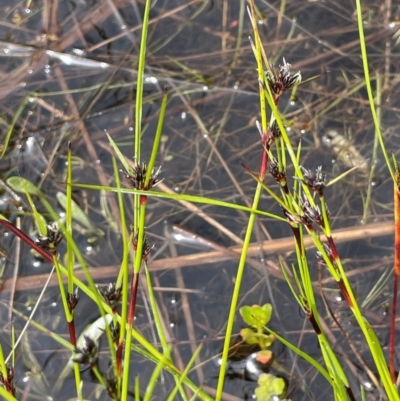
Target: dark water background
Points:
(80, 46)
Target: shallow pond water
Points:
(68, 74)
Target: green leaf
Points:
(22, 185)
(259, 316)
(278, 386)
(269, 386)
(256, 315)
(267, 341)
(267, 308)
(245, 312)
(249, 336)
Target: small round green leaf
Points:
(245, 311)
(249, 336)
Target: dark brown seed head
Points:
(316, 181)
(311, 214)
(73, 299)
(279, 176)
(137, 176)
(53, 238)
(87, 354)
(111, 295)
(280, 80)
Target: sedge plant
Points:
(304, 208)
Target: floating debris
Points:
(344, 151)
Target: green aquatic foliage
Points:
(269, 386)
(257, 317)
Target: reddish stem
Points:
(29, 241)
(133, 297)
(264, 157)
(131, 316)
(118, 357)
(72, 334)
(47, 256)
(396, 273)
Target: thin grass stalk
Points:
(370, 336)
(39, 219)
(188, 198)
(140, 80)
(57, 338)
(122, 280)
(68, 221)
(374, 148)
(171, 369)
(179, 382)
(239, 35)
(157, 321)
(139, 200)
(99, 376)
(133, 294)
(123, 276)
(124, 308)
(10, 130)
(91, 291)
(139, 101)
(124, 232)
(250, 225)
(157, 139)
(153, 379)
(137, 388)
(288, 146)
(67, 311)
(308, 304)
(364, 58)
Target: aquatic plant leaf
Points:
(266, 341)
(245, 312)
(249, 336)
(267, 308)
(78, 214)
(22, 185)
(256, 315)
(269, 386)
